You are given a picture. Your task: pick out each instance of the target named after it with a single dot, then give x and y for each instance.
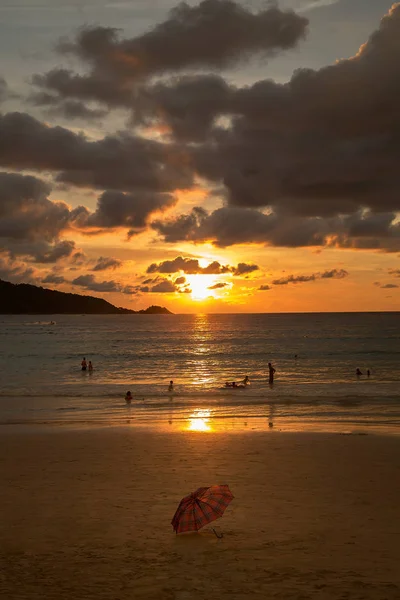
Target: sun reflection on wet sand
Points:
(199, 420)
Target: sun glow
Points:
(200, 284)
(199, 421)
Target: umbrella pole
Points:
(218, 536)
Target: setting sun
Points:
(200, 286)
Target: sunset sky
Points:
(207, 157)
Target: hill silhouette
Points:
(23, 298)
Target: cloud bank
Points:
(214, 34)
(308, 163)
(333, 274)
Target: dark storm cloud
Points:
(236, 225)
(53, 278)
(67, 84)
(164, 287)
(318, 155)
(180, 280)
(213, 34)
(60, 250)
(190, 266)
(117, 209)
(333, 274)
(71, 109)
(26, 213)
(244, 269)
(104, 263)
(215, 268)
(217, 286)
(40, 251)
(89, 282)
(15, 271)
(31, 224)
(188, 104)
(183, 227)
(79, 258)
(326, 143)
(119, 162)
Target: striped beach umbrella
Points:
(201, 507)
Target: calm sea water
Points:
(41, 379)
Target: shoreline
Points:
(209, 414)
(208, 426)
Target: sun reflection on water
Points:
(199, 420)
(199, 360)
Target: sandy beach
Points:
(86, 514)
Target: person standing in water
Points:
(271, 373)
(171, 386)
(358, 373)
(90, 366)
(84, 364)
(128, 397)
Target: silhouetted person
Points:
(271, 373)
(368, 373)
(128, 397)
(84, 364)
(90, 366)
(171, 386)
(358, 373)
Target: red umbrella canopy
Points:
(201, 507)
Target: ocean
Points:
(315, 357)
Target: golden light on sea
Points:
(199, 420)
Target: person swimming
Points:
(244, 383)
(128, 397)
(84, 364)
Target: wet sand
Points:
(86, 514)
